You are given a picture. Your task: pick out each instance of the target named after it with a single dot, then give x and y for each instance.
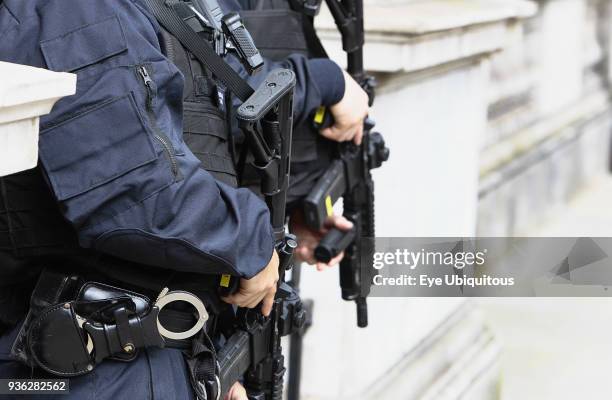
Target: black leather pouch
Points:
(57, 343)
(52, 288)
(52, 336)
(97, 301)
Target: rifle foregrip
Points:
(333, 244)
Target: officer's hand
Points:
(236, 392)
(309, 239)
(348, 114)
(260, 287)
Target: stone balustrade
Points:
(26, 93)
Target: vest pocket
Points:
(277, 33)
(205, 133)
(7, 21)
(304, 146)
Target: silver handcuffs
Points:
(166, 297)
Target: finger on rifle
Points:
(331, 133)
(336, 260)
(306, 254)
(340, 135)
(241, 298)
(349, 134)
(236, 392)
(237, 299)
(359, 135)
(337, 221)
(268, 302)
(255, 301)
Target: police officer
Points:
(118, 193)
(124, 188)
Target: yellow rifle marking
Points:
(225, 280)
(329, 206)
(319, 115)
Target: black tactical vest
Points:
(279, 31)
(205, 125)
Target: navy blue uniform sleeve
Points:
(320, 81)
(113, 153)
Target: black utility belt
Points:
(73, 325)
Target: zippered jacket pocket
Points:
(150, 96)
(103, 158)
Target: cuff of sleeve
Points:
(329, 79)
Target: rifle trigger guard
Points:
(166, 297)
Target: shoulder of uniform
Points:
(21, 10)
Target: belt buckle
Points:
(166, 297)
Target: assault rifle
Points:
(349, 178)
(349, 175)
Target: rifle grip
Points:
(334, 243)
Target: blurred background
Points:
(497, 113)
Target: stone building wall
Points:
(496, 112)
(549, 116)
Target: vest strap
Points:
(168, 18)
(315, 47)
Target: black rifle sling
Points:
(200, 49)
(315, 47)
